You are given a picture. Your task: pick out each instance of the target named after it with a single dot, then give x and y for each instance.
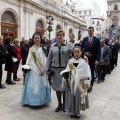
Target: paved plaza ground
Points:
(104, 102)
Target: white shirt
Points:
(90, 38)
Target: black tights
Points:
(0, 74)
(58, 93)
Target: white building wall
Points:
(99, 30)
(26, 19)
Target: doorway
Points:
(8, 25)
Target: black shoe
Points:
(11, 83)
(6, 81)
(103, 80)
(72, 116)
(78, 116)
(2, 87)
(99, 81)
(58, 108)
(64, 109)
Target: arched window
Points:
(58, 27)
(79, 35)
(8, 17)
(115, 21)
(70, 31)
(39, 25)
(8, 25)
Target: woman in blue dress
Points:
(36, 90)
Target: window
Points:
(83, 17)
(115, 22)
(70, 31)
(58, 27)
(97, 23)
(39, 24)
(93, 22)
(79, 35)
(8, 17)
(99, 28)
(115, 7)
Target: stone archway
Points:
(58, 27)
(8, 25)
(40, 27)
(115, 21)
(79, 35)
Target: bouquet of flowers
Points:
(65, 75)
(25, 69)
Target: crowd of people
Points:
(86, 60)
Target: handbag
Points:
(50, 72)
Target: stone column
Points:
(66, 31)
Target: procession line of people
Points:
(48, 59)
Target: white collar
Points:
(90, 37)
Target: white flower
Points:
(27, 67)
(64, 71)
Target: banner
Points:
(112, 32)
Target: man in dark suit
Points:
(116, 51)
(113, 56)
(104, 61)
(92, 49)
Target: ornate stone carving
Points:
(29, 10)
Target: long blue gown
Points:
(36, 90)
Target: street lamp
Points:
(49, 20)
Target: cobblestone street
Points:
(104, 102)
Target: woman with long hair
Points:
(36, 88)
